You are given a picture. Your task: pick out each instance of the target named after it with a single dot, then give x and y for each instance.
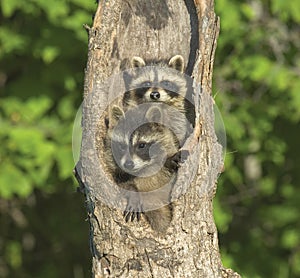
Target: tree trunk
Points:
(153, 30)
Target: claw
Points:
(127, 216)
(132, 216)
(177, 158)
(133, 210)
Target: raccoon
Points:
(145, 153)
(160, 81)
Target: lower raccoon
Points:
(145, 154)
(160, 81)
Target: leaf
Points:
(34, 108)
(9, 6)
(258, 67)
(267, 186)
(13, 253)
(290, 238)
(50, 53)
(280, 215)
(286, 10)
(13, 181)
(66, 108)
(11, 42)
(55, 9)
(25, 140)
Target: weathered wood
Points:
(153, 29)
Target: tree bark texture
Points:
(153, 30)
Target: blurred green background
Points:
(43, 51)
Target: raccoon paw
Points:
(179, 157)
(184, 155)
(173, 161)
(133, 210)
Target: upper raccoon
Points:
(160, 82)
(149, 153)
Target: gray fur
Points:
(148, 176)
(158, 75)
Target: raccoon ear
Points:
(177, 63)
(154, 114)
(137, 62)
(116, 114)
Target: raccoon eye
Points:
(168, 85)
(146, 84)
(141, 145)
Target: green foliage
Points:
(40, 90)
(13, 253)
(43, 49)
(257, 78)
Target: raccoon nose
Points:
(155, 95)
(129, 164)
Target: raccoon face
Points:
(142, 151)
(139, 153)
(147, 150)
(157, 82)
(152, 90)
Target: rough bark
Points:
(153, 29)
